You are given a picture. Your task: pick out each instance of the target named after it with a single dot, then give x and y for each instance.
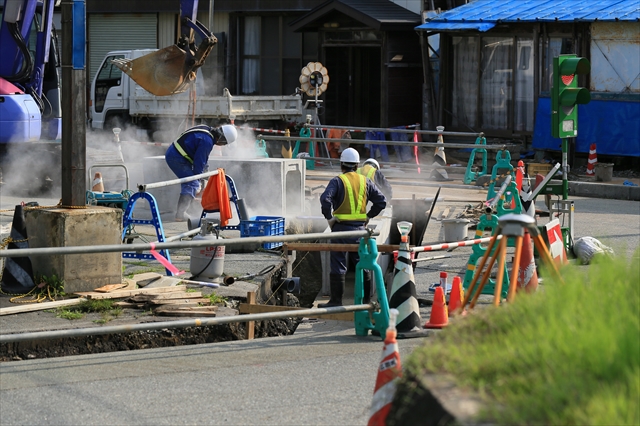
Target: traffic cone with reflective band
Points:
(456, 297)
(527, 274)
(388, 373)
(439, 159)
(17, 277)
(592, 161)
(439, 317)
(403, 291)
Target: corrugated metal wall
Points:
(119, 32)
(615, 57)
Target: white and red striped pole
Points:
(447, 246)
(592, 161)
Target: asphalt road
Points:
(324, 374)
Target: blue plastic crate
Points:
(263, 226)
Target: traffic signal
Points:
(566, 95)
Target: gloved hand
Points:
(332, 222)
(199, 187)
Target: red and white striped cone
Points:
(403, 291)
(389, 372)
(593, 160)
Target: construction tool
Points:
(170, 70)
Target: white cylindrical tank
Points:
(207, 262)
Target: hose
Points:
(27, 64)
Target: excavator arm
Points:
(170, 70)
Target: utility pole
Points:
(74, 131)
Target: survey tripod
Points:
(509, 226)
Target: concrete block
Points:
(92, 226)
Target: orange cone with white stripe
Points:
(592, 161)
(527, 273)
(388, 373)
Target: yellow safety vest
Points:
(181, 149)
(368, 171)
(352, 208)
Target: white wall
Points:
(615, 57)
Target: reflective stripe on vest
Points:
(181, 149)
(367, 171)
(350, 209)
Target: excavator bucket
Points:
(161, 73)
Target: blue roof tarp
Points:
(613, 126)
(482, 15)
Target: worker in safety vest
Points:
(371, 169)
(344, 204)
(189, 156)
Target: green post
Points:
(368, 251)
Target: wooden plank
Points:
(251, 325)
(382, 248)
(186, 312)
(166, 296)
(32, 307)
(109, 287)
(131, 305)
(246, 308)
(191, 302)
(187, 308)
(118, 294)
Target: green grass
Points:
(569, 354)
(103, 306)
(69, 314)
(215, 299)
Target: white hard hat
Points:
(350, 156)
(230, 133)
(373, 162)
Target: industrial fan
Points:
(314, 79)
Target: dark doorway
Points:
(353, 95)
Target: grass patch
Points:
(69, 314)
(102, 306)
(215, 299)
(569, 354)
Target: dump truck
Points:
(116, 101)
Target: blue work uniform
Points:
(189, 156)
(333, 199)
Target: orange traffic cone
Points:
(592, 161)
(456, 297)
(389, 371)
(527, 274)
(439, 317)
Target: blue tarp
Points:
(614, 126)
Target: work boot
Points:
(366, 282)
(336, 282)
(183, 204)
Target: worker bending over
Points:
(371, 169)
(189, 156)
(344, 204)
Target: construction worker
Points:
(189, 156)
(343, 204)
(371, 169)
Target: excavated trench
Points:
(307, 267)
